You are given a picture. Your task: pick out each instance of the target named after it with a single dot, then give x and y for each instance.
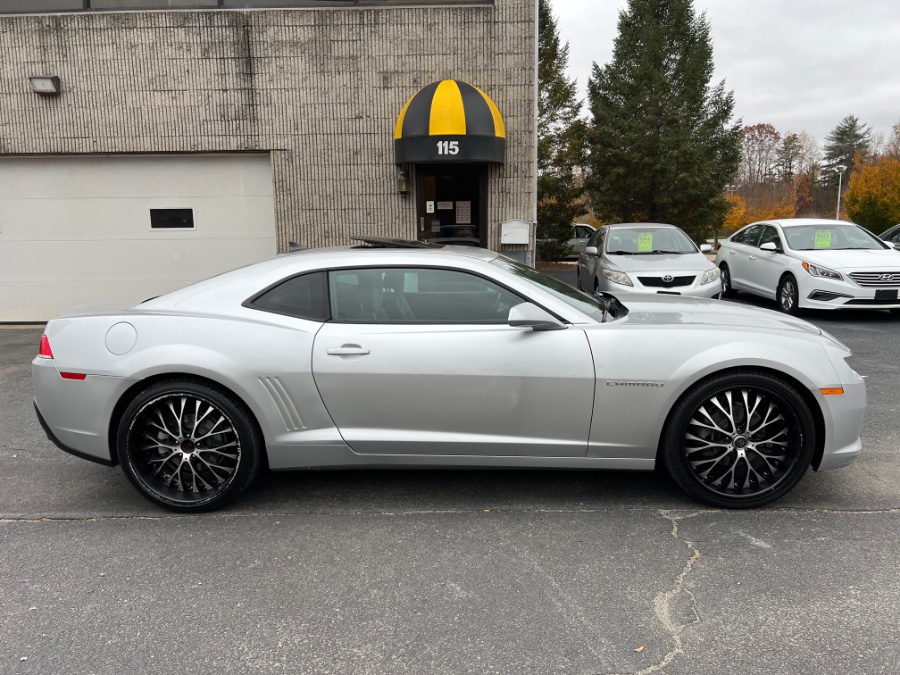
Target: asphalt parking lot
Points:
(451, 572)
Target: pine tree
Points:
(662, 146)
(560, 141)
(843, 144)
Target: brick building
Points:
(145, 144)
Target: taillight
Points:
(45, 351)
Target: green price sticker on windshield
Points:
(823, 239)
(645, 242)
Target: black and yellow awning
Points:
(450, 121)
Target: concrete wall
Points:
(320, 88)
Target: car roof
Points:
(796, 222)
(625, 225)
(244, 279)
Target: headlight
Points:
(617, 277)
(710, 276)
(819, 271)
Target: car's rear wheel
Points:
(739, 440)
(189, 446)
(788, 296)
(727, 290)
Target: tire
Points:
(710, 424)
(787, 296)
(189, 446)
(727, 290)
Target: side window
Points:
(895, 237)
(597, 238)
(302, 296)
(770, 235)
(583, 231)
(408, 295)
(747, 236)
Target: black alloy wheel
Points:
(189, 446)
(727, 290)
(739, 440)
(788, 296)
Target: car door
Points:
(447, 375)
(587, 264)
(765, 267)
(579, 241)
(740, 247)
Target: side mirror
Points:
(770, 246)
(706, 248)
(591, 250)
(527, 315)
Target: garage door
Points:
(77, 231)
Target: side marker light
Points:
(832, 391)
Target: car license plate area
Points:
(887, 295)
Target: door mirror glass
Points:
(527, 315)
(705, 248)
(591, 250)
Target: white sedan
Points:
(808, 263)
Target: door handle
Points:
(348, 350)
(730, 252)
(752, 257)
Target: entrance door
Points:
(452, 203)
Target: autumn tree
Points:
(892, 144)
(662, 144)
(873, 194)
(803, 196)
(759, 149)
(560, 141)
(735, 217)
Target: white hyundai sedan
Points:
(806, 263)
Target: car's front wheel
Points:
(189, 446)
(787, 295)
(739, 440)
(727, 290)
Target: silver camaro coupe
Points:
(394, 353)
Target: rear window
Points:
(304, 296)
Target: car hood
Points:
(667, 310)
(877, 259)
(660, 263)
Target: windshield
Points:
(648, 241)
(583, 302)
(830, 237)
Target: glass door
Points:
(452, 204)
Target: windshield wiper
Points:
(620, 253)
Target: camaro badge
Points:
(621, 383)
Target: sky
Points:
(800, 65)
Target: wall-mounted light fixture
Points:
(48, 86)
(403, 182)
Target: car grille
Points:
(661, 282)
(876, 279)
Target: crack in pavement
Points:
(662, 603)
(6, 519)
